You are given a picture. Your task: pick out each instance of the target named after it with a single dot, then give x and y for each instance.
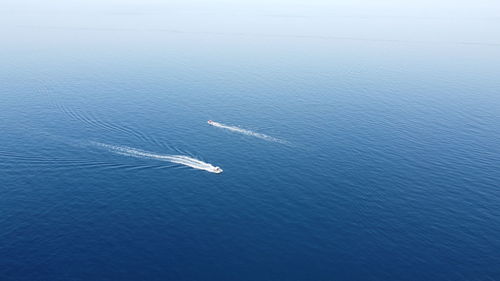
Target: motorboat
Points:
(217, 170)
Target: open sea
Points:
(358, 140)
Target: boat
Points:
(211, 122)
(217, 170)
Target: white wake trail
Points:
(247, 132)
(177, 159)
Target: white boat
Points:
(217, 170)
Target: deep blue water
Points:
(390, 170)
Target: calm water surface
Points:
(388, 168)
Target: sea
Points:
(358, 140)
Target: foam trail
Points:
(177, 159)
(246, 132)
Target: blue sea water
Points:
(388, 169)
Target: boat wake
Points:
(94, 121)
(246, 132)
(177, 159)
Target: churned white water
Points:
(177, 159)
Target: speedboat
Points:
(211, 122)
(217, 170)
